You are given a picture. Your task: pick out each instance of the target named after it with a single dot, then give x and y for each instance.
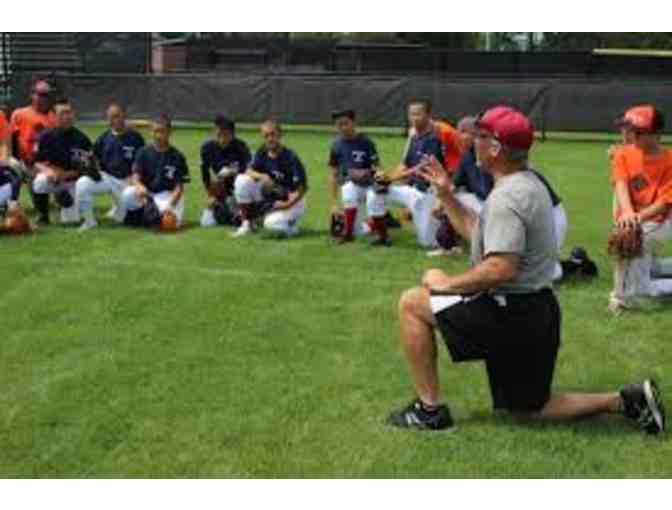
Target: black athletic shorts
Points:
(518, 339)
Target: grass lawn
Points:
(130, 353)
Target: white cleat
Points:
(243, 230)
(87, 225)
(112, 213)
(440, 252)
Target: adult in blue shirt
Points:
(353, 161)
(273, 189)
(159, 174)
(115, 151)
(225, 156)
(408, 188)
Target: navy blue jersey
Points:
(235, 155)
(116, 152)
(286, 169)
(62, 147)
(422, 146)
(160, 171)
(555, 199)
(471, 178)
(359, 152)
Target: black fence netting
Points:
(554, 104)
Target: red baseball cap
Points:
(642, 118)
(510, 127)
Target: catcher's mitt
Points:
(361, 176)
(168, 222)
(337, 225)
(625, 243)
(16, 222)
(87, 165)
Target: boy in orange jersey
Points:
(642, 180)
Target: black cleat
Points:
(42, 220)
(414, 416)
(391, 221)
(643, 405)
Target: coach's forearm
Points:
(493, 272)
(461, 218)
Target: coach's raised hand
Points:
(435, 174)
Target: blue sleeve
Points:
(140, 162)
(44, 149)
(460, 178)
(299, 178)
(182, 169)
(257, 163)
(247, 157)
(86, 143)
(373, 154)
(333, 156)
(98, 147)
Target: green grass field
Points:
(135, 354)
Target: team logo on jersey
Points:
(129, 152)
(77, 155)
(358, 156)
(170, 171)
(638, 183)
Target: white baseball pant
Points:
(43, 185)
(131, 201)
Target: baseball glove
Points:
(88, 165)
(381, 183)
(337, 225)
(361, 176)
(221, 189)
(446, 236)
(625, 243)
(16, 222)
(168, 222)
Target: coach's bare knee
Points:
(410, 301)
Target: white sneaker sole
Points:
(653, 405)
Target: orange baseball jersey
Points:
(450, 139)
(28, 123)
(4, 127)
(649, 178)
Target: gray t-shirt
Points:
(517, 218)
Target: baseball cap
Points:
(509, 126)
(645, 118)
(225, 123)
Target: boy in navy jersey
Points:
(225, 156)
(159, 174)
(353, 161)
(115, 151)
(274, 186)
(60, 151)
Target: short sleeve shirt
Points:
(359, 152)
(160, 171)
(285, 169)
(517, 218)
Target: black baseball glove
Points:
(337, 225)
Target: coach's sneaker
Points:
(244, 229)
(643, 405)
(416, 416)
